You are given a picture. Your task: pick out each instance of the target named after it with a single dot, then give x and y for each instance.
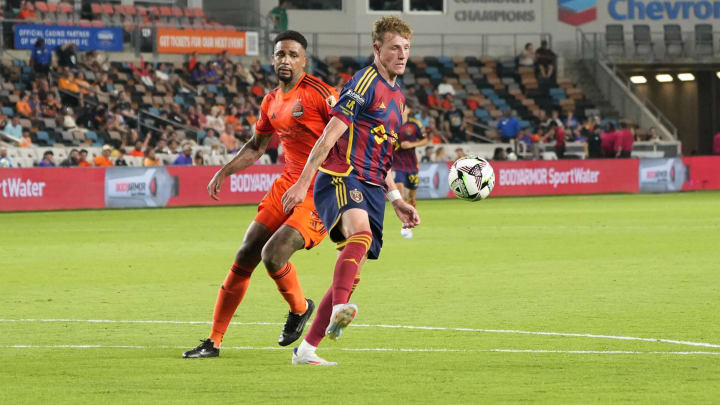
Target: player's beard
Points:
(283, 78)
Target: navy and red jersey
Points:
(405, 160)
(372, 110)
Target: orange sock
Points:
(289, 286)
(229, 297)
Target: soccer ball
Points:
(471, 178)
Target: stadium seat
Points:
(643, 40)
(704, 44)
(674, 44)
(8, 111)
(615, 39)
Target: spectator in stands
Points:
(243, 75)
(215, 120)
(527, 56)
(13, 127)
(27, 12)
(5, 161)
(67, 56)
(196, 118)
(176, 115)
(499, 154)
(440, 155)
(67, 82)
(211, 139)
(198, 160)
(652, 135)
(22, 107)
(278, 16)
(546, 60)
(446, 88)
(185, 158)
(120, 159)
(51, 106)
(151, 158)
(557, 134)
(72, 159)
(459, 153)
(571, 123)
(608, 140)
(173, 146)
(104, 159)
(434, 134)
(423, 116)
(137, 151)
(40, 58)
(509, 126)
(228, 137)
(455, 126)
(593, 140)
(716, 144)
(47, 160)
(510, 154)
(624, 138)
(428, 156)
(434, 100)
(411, 98)
(82, 161)
(556, 119)
(25, 140)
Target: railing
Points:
(661, 50)
(617, 88)
(324, 44)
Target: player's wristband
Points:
(394, 195)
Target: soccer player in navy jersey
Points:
(405, 163)
(354, 156)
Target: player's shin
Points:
(348, 264)
(322, 320)
(289, 287)
(229, 297)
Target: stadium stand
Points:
(96, 102)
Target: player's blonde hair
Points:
(390, 24)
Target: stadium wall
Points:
(464, 19)
(97, 188)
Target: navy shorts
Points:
(334, 195)
(409, 179)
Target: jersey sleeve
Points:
(263, 126)
(356, 96)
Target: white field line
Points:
(428, 328)
(376, 349)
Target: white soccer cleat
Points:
(406, 233)
(340, 318)
(310, 358)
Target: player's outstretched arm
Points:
(246, 156)
(407, 214)
(414, 144)
(297, 192)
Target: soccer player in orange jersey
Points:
(297, 112)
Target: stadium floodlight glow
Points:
(664, 78)
(638, 79)
(718, 74)
(686, 77)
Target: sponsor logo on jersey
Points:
(358, 98)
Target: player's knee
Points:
(247, 255)
(273, 257)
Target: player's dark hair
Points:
(293, 36)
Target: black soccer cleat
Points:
(295, 324)
(205, 349)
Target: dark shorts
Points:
(334, 195)
(409, 179)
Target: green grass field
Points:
(643, 266)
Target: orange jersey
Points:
(298, 118)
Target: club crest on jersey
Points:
(358, 98)
(356, 195)
(298, 110)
